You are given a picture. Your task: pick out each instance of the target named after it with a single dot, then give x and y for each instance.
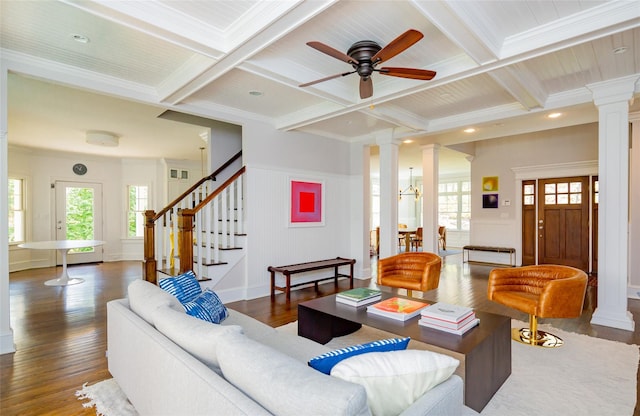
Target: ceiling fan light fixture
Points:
(102, 138)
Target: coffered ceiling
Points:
(502, 67)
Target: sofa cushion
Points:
(285, 386)
(207, 306)
(185, 287)
(145, 298)
(197, 337)
(326, 361)
(395, 379)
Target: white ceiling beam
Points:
(454, 21)
(521, 84)
(593, 23)
(260, 40)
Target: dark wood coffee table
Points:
(484, 352)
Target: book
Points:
(447, 324)
(447, 312)
(397, 308)
(359, 296)
(471, 324)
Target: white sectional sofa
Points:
(170, 363)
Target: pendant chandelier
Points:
(411, 190)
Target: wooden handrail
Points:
(150, 262)
(186, 223)
(196, 185)
(215, 193)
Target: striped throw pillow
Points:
(325, 362)
(185, 287)
(207, 307)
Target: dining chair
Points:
(416, 239)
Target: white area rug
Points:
(107, 398)
(586, 376)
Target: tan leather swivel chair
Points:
(543, 291)
(411, 271)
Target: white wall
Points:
(272, 158)
(498, 157)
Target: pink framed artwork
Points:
(306, 203)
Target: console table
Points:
(287, 271)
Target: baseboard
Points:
(6, 343)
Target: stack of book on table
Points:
(397, 308)
(358, 296)
(449, 318)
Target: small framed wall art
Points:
(306, 203)
(489, 184)
(490, 201)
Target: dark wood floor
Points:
(60, 332)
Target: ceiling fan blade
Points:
(332, 52)
(326, 79)
(397, 45)
(413, 73)
(366, 87)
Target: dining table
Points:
(406, 233)
(63, 247)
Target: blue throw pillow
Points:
(185, 287)
(326, 361)
(207, 307)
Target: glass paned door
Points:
(79, 217)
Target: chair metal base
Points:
(542, 338)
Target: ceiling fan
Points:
(365, 55)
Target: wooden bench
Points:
(510, 250)
(287, 271)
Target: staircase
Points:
(201, 230)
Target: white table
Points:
(63, 246)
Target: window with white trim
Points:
(137, 204)
(454, 204)
(17, 214)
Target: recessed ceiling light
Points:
(407, 141)
(619, 50)
(80, 38)
(554, 115)
(469, 130)
(256, 93)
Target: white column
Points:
(6, 333)
(430, 158)
(634, 207)
(388, 194)
(360, 208)
(612, 99)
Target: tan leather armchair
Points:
(543, 291)
(411, 271)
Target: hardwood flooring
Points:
(60, 332)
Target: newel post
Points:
(149, 264)
(185, 239)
